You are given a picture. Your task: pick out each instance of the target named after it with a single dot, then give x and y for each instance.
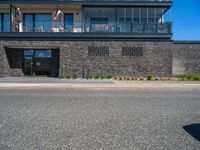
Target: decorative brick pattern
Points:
(132, 51)
(98, 50)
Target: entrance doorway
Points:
(40, 62)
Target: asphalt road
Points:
(118, 120)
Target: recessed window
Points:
(98, 50)
(132, 51)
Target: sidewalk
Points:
(52, 83)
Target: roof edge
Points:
(186, 42)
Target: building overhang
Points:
(81, 36)
(93, 3)
(186, 42)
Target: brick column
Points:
(4, 65)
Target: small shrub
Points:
(181, 76)
(108, 77)
(90, 76)
(149, 77)
(97, 77)
(75, 76)
(68, 76)
(189, 76)
(196, 78)
(61, 77)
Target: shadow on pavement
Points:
(193, 130)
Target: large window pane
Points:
(43, 22)
(68, 18)
(43, 54)
(124, 17)
(28, 53)
(99, 19)
(37, 22)
(4, 22)
(0, 23)
(28, 23)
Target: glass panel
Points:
(151, 15)
(28, 23)
(100, 19)
(143, 14)
(98, 24)
(43, 22)
(159, 14)
(28, 65)
(43, 54)
(28, 53)
(138, 27)
(6, 23)
(68, 18)
(135, 14)
(124, 16)
(0, 22)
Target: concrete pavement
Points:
(53, 83)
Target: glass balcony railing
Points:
(89, 27)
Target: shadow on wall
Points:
(193, 130)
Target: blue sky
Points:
(185, 15)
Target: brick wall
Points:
(156, 57)
(186, 58)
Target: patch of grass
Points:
(61, 77)
(68, 76)
(97, 77)
(195, 77)
(91, 77)
(108, 76)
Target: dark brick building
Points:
(118, 37)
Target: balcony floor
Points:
(81, 36)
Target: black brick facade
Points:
(120, 58)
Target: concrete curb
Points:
(115, 85)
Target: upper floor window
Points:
(37, 22)
(68, 22)
(4, 22)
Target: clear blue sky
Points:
(185, 15)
